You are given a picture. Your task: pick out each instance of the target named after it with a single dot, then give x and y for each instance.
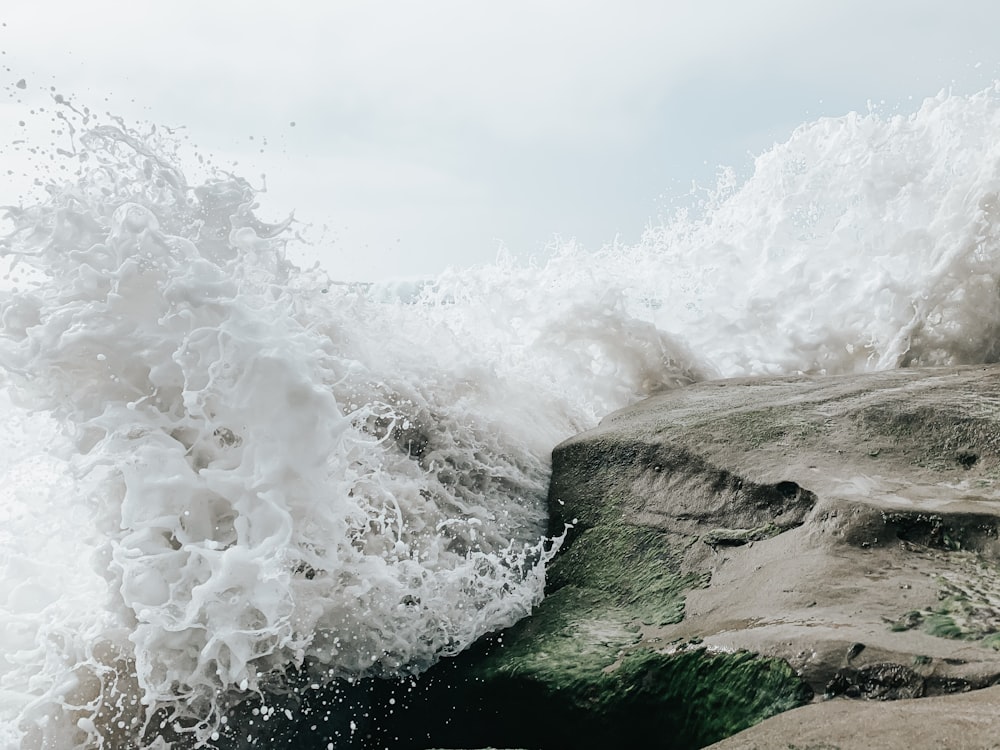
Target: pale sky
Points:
(428, 133)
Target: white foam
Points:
(277, 472)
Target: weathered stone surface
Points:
(955, 722)
(846, 525)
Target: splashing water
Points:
(277, 470)
(252, 468)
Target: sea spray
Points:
(863, 242)
(271, 472)
(280, 472)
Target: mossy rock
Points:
(579, 673)
(686, 699)
(968, 606)
(633, 569)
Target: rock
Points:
(877, 681)
(845, 525)
(738, 547)
(961, 722)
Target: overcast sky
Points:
(426, 133)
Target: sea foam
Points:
(233, 468)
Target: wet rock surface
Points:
(740, 548)
(968, 721)
(844, 525)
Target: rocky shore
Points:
(740, 548)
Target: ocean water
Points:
(219, 468)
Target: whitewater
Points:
(220, 469)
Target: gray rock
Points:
(956, 722)
(823, 514)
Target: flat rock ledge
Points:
(740, 548)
